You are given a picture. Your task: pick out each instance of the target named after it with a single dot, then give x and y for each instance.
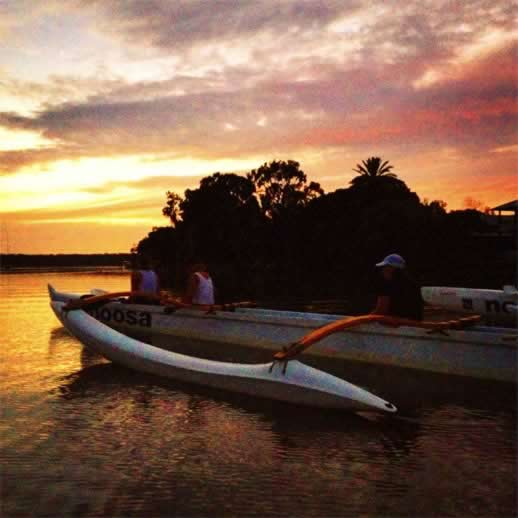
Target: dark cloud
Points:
(437, 28)
(11, 161)
(424, 25)
(180, 25)
(58, 87)
(159, 184)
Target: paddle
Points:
(174, 304)
(170, 303)
(88, 301)
(290, 352)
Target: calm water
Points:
(82, 437)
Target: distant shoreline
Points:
(63, 262)
(68, 269)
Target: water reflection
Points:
(59, 339)
(83, 437)
(58, 334)
(293, 427)
(368, 454)
(249, 445)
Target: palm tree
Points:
(371, 170)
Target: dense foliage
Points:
(271, 233)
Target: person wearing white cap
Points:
(397, 293)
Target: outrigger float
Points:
(459, 347)
(294, 383)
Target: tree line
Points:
(273, 233)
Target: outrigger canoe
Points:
(293, 382)
(495, 306)
(478, 351)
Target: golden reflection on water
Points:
(34, 341)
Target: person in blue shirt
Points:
(144, 280)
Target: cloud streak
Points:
(325, 111)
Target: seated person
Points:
(397, 293)
(200, 288)
(144, 280)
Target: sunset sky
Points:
(107, 104)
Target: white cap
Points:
(394, 260)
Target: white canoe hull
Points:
(479, 352)
(299, 383)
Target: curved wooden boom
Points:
(288, 353)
